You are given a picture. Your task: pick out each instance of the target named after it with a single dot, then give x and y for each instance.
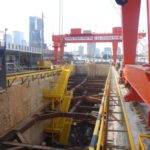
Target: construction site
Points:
(61, 105)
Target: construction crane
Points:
(111, 106)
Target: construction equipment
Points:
(60, 99)
(44, 64)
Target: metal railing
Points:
(130, 137)
(26, 76)
(98, 138)
(99, 135)
(21, 48)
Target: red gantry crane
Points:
(76, 36)
(136, 76)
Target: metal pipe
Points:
(45, 116)
(28, 146)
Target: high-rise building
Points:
(81, 50)
(24, 43)
(107, 52)
(36, 32)
(18, 37)
(91, 48)
(97, 52)
(8, 38)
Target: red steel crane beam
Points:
(148, 27)
(139, 79)
(137, 76)
(77, 37)
(130, 21)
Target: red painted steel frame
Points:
(148, 27)
(139, 79)
(130, 21)
(133, 96)
(115, 46)
(137, 76)
(114, 38)
(60, 40)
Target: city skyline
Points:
(93, 20)
(72, 18)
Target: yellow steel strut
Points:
(60, 127)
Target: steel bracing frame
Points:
(31, 76)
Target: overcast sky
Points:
(96, 15)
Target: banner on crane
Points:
(89, 38)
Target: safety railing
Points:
(98, 139)
(130, 137)
(25, 76)
(142, 144)
(21, 48)
(98, 135)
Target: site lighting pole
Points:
(5, 39)
(42, 36)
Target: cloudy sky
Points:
(96, 15)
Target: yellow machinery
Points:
(60, 98)
(44, 64)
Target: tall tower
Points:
(8, 38)
(36, 32)
(18, 37)
(91, 49)
(81, 50)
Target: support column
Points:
(130, 21)
(115, 46)
(62, 53)
(2, 68)
(56, 53)
(148, 27)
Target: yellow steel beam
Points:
(144, 136)
(97, 126)
(60, 127)
(101, 136)
(59, 89)
(141, 145)
(100, 124)
(132, 144)
(98, 132)
(30, 74)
